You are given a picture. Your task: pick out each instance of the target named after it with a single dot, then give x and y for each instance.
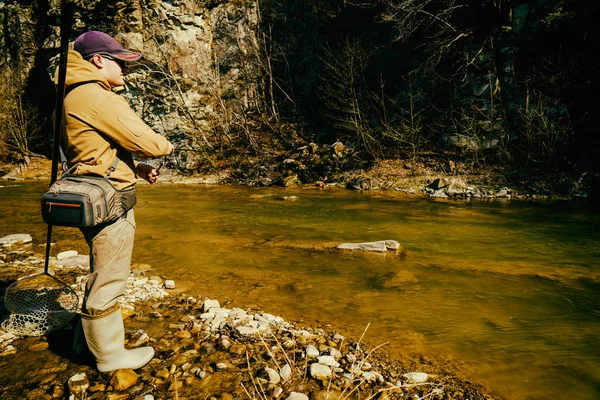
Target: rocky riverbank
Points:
(203, 349)
(324, 166)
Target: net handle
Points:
(66, 16)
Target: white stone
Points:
(328, 360)
(380, 246)
(76, 261)
(66, 254)
(273, 376)
(208, 304)
(367, 246)
(297, 396)
(7, 336)
(366, 366)
(320, 371)
(221, 312)
(221, 366)
(169, 284)
(207, 315)
(372, 376)
(312, 351)
(246, 330)
(237, 313)
(304, 333)
(217, 323)
(277, 392)
(416, 377)
(286, 372)
(335, 353)
(18, 237)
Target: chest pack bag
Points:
(84, 201)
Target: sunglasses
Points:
(110, 57)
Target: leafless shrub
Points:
(20, 123)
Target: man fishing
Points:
(98, 128)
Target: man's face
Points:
(111, 68)
(114, 72)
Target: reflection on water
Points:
(509, 291)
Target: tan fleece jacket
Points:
(98, 123)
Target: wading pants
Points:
(111, 246)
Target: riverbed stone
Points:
(297, 396)
(272, 376)
(335, 353)
(127, 312)
(330, 394)
(238, 349)
(123, 379)
(208, 304)
(175, 386)
(416, 377)
(80, 260)
(15, 238)
(277, 391)
(337, 148)
(312, 351)
(66, 254)
(286, 372)
(169, 284)
(183, 334)
(78, 383)
(290, 180)
(39, 346)
(163, 374)
(155, 279)
(320, 371)
(246, 330)
(222, 366)
(328, 360)
(97, 387)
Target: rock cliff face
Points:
(198, 66)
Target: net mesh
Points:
(38, 305)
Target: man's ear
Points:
(97, 60)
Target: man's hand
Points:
(147, 172)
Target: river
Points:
(506, 292)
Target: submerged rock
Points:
(379, 246)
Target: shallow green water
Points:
(507, 292)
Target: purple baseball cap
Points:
(95, 42)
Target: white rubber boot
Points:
(105, 336)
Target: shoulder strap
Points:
(65, 168)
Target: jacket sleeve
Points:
(119, 122)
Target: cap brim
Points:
(127, 55)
